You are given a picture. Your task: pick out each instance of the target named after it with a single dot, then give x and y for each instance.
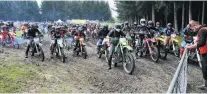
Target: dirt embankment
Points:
(87, 75)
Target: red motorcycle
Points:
(148, 47)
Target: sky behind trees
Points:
(110, 2)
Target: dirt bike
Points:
(193, 54)
(122, 55)
(59, 49)
(174, 45)
(81, 48)
(103, 49)
(148, 46)
(131, 39)
(9, 40)
(68, 42)
(160, 42)
(36, 48)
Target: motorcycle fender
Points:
(60, 42)
(176, 40)
(128, 47)
(40, 44)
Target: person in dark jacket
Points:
(201, 44)
(101, 35)
(78, 34)
(31, 34)
(115, 35)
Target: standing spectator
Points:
(201, 44)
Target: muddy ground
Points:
(91, 75)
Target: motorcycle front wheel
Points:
(62, 55)
(155, 53)
(129, 63)
(41, 54)
(84, 52)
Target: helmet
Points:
(58, 27)
(135, 23)
(32, 25)
(4, 27)
(117, 26)
(142, 22)
(157, 23)
(105, 27)
(126, 23)
(53, 27)
(101, 27)
(169, 25)
(150, 23)
(80, 28)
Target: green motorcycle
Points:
(122, 55)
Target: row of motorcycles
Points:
(127, 47)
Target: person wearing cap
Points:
(201, 44)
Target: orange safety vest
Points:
(203, 49)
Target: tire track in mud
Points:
(91, 75)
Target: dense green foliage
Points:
(163, 11)
(19, 10)
(54, 10)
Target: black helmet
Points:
(105, 26)
(117, 26)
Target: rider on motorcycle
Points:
(31, 34)
(168, 31)
(77, 35)
(57, 33)
(158, 27)
(101, 35)
(5, 33)
(152, 27)
(115, 34)
(126, 27)
(134, 27)
(142, 29)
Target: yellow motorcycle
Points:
(173, 46)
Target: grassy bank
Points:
(14, 77)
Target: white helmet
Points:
(142, 22)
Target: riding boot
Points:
(109, 64)
(52, 52)
(27, 50)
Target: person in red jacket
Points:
(201, 44)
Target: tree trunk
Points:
(199, 15)
(153, 12)
(166, 19)
(175, 17)
(203, 13)
(190, 12)
(147, 18)
(183, 12)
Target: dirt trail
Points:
(91, 75)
